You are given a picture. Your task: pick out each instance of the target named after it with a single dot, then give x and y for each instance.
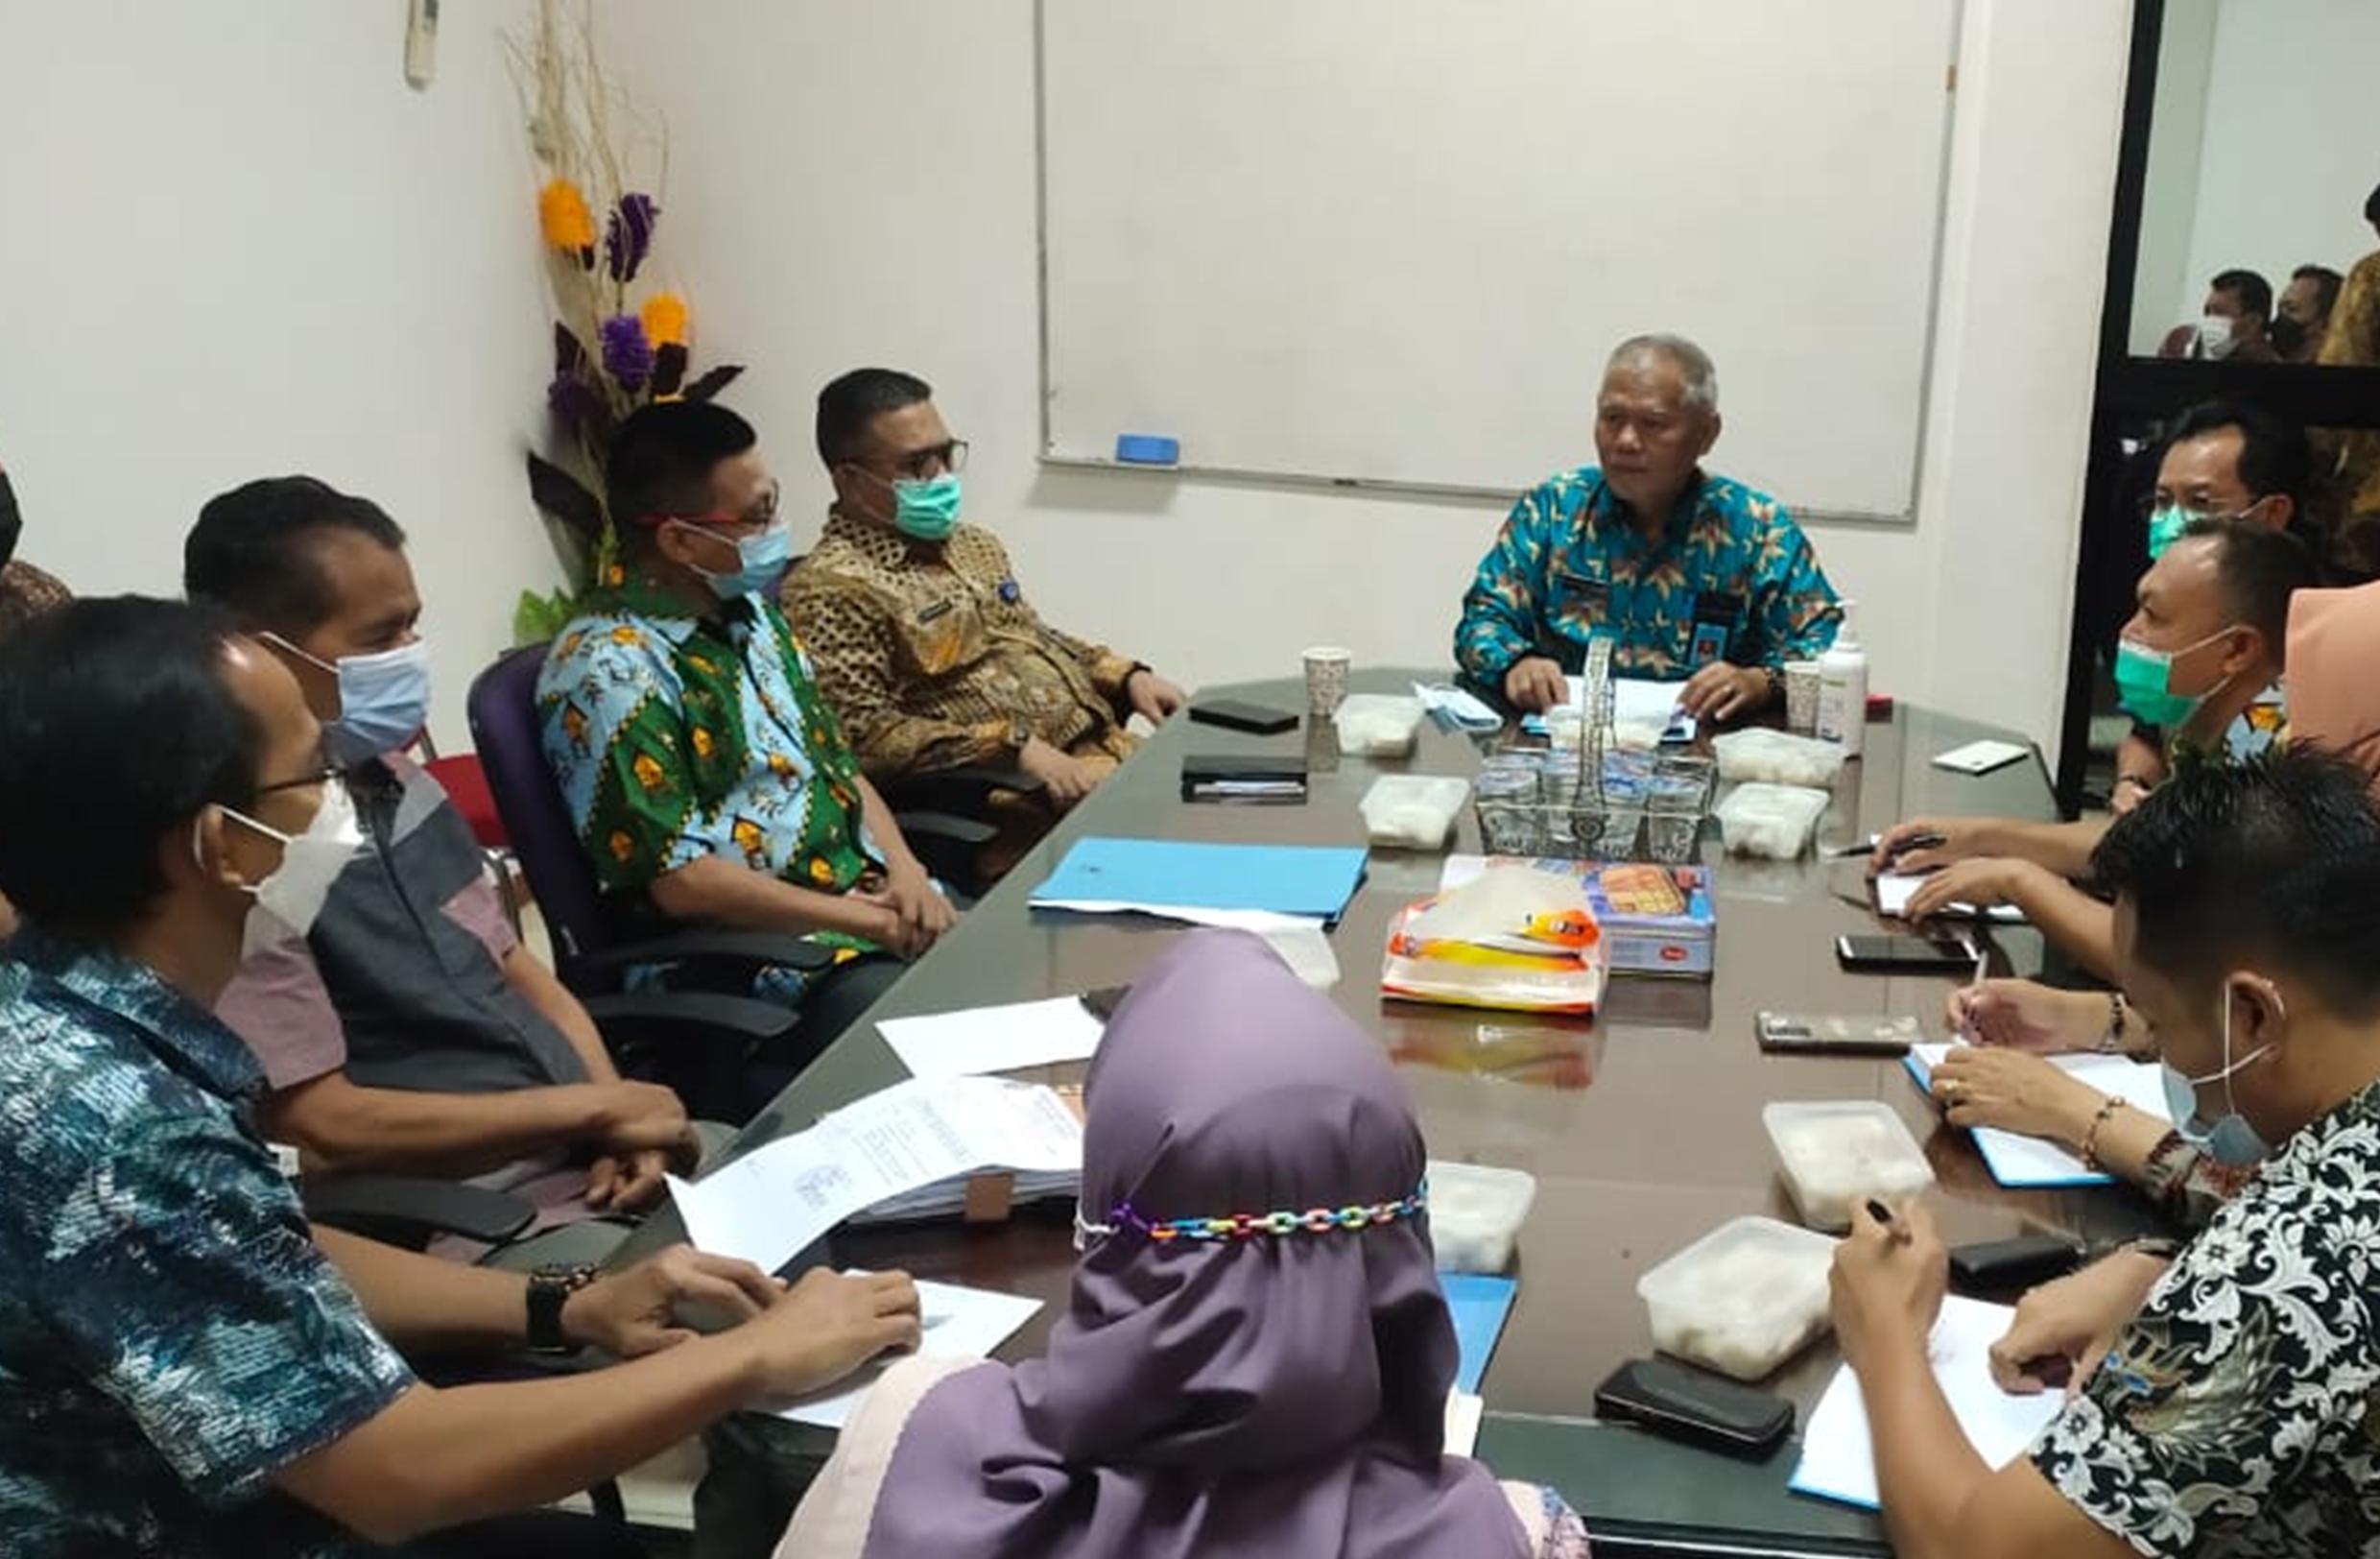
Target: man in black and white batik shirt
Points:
(2227, 1404)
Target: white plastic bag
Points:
(1377, 724)
(1778, 758)
(1413, 811)
(1772, 821)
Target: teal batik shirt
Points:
(170, 1337)
(1730, 577)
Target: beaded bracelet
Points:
(1319, 1220)
(2090, 1134)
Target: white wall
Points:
(2290, 146)
(236, 244)
(880, 208)
(2162, 281)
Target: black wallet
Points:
(1697, 1407)
(2005, 1266)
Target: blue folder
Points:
(1174, 874)
(1481, 1306)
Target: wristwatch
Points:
(1020, 735)
(548, 1286)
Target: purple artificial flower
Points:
(628, 236)
(628, 356)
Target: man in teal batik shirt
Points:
(1692, 576)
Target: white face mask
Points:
(2215, 339)
(290, 899)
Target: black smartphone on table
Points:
(1936, 954)
(1695, 1406)
(1237, 714)
(1836, 1034)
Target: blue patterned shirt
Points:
(170, 1337)
(1730, 577)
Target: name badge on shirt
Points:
(1715, 619)
(935, 613)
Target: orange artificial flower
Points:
(665, 320)
(564, 219)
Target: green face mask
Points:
(2165, 528)
(2142, 675)
(926, 510)
(2167, 523)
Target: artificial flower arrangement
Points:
(618, 344)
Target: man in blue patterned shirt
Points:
(1690, 575)
(185, 1366)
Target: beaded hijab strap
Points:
(1319, 1220)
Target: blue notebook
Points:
(1481, 1306)
(1176, 874)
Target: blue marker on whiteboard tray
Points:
(1147, 449)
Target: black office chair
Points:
(952, 802)
(698, 1042)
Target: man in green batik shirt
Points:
(1692, 577)
(702, 767)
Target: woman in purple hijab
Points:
(1255, 1357)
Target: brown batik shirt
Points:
(932, 657)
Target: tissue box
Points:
(1656, 920)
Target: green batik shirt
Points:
(675, 737)
(1729, 577)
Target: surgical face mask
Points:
(290, 899)
(2166, 524)
(926, 509)
(761, 560)
(2229, 1139)
(2216, 337)
(384, 699)
(2144, 677)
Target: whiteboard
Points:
(1394, 240)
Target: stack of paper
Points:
(1894, 889)
(2027, 1162)
(1644, 709)
(1839, 1452)
(959, 1322)
(994, 1039)
(906, 1152)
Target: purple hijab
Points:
(1280, 1395)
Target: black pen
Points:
(1898, 1231)
(1923, 841)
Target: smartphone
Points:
(1940, 954)
(1695, 1406)
(1836, 1035)
(1235, 715)
(2007, 1265)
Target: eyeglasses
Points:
(934, 460)
(761, 514)
(2147, 504)
(322, 775)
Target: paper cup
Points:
(1801, 697)
(1326, 679)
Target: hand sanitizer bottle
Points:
(1842, 689)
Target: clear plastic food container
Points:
(1835, 1154)
(1476, 1211)
(1772, 821)
(1413, 811)
(1743, 1299)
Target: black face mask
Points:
(11, 522)
(2288, 335)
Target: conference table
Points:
(1642, 1125)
